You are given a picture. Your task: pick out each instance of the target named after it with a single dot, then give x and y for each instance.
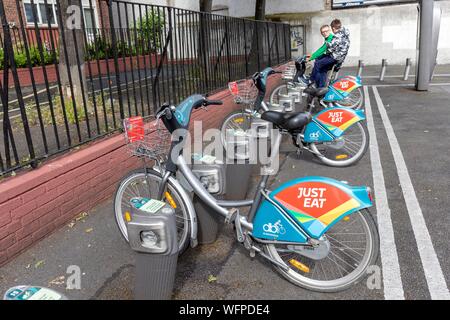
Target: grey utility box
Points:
(239, 166)
(152, 234)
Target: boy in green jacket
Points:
(325, 30)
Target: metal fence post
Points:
(116, 59)
(383, 69)
(10, 52)
(227, 36)
(257, 44)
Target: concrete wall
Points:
(379, 32)
(239, 8)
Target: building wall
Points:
(388, 32)
(239, 8)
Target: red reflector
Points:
(369, 193)
(134, 128)
(233, 88)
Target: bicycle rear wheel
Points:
(353, 247)
(280, 90)
(345, 150)
(238, 122)
(353, 101)
(139, 184)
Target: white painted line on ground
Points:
(407, 84)
(392, 281)
(401, 76)
(430, 262)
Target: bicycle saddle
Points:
(288, 121)
(316, 92)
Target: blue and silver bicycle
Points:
(317, 232)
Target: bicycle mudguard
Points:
(307, 207)
(331, 123)
(341, 88)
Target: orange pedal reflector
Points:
(300, 266)
(170, 199)
(127, 216)
(346, 218)
(341, 156)
(239, 120)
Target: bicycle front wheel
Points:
(139, 184)
(352, 244)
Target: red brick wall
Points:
(11, 11)
(35, 203)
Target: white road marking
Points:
(432, 268)
(392, 281)
(439, 75)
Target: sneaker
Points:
(304, 80)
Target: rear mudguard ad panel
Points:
(312, 204)
(341, 88)
(331, 123)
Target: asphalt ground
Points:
(409, 164)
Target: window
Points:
(42, 13)
(45, 13)
(88, 15)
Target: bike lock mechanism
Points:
(152, 234)
(211, 173)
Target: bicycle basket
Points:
(244, 91)
(147, 137)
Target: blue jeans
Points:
(321, 67)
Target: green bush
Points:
(20, 58)
(150, 29)
(99, 49)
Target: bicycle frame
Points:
(219, 206)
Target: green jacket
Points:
(322, 49)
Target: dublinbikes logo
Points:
(275, 229)
(252, 146)
(314, 135)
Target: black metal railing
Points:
(63, 85)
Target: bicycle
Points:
(343, 92)
(315, 252)
(337, 136)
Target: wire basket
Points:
(147, 137)
(244, 91)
